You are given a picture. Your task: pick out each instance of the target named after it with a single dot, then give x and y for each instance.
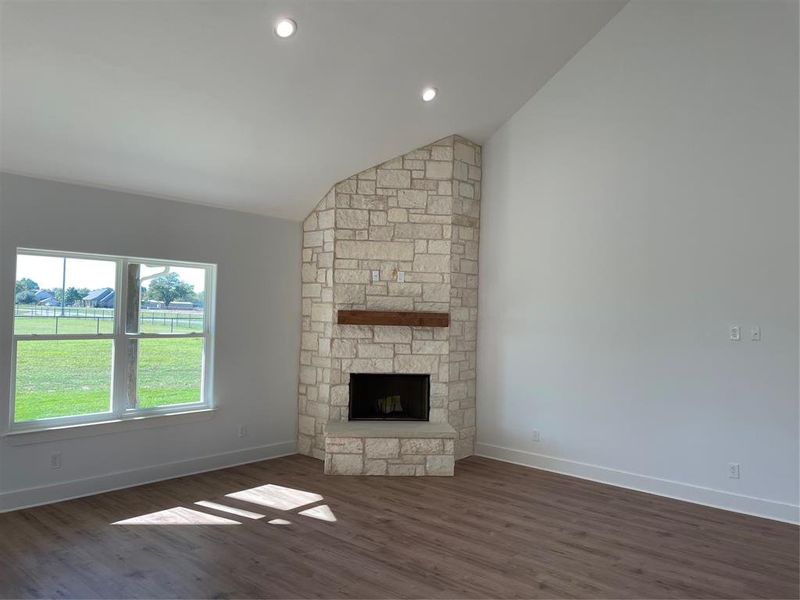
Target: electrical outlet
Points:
(242, 431)
(733, 470)
(735, 333)
(401, 277)
(376, 276)
(55, 460)
(535, 437)
(755, 334)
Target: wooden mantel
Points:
(384, 317)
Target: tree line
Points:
(165, 288)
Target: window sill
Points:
(84, 430)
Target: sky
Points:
(47, 271)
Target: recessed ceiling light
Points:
(285, 28)
(428, 94)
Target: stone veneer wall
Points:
(418, 213)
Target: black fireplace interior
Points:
(378, 397)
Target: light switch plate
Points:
(401, 277)
(735, 333)
(376, 276)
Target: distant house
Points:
(180, 306)
(41, 295)
(152, 304)
(101, 298)
(51, 301)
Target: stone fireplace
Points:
(399, 237)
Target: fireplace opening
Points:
(380, 397)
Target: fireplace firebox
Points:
(389, 397)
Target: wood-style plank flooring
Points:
(494, 530)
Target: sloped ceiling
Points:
(200, 101)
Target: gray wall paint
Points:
(258, 311)
(644, 200)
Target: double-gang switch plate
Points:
(399, 276)
(735, 333)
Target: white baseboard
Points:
(68, 490)
(750, 505)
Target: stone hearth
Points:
(414, 220)
(359, 448)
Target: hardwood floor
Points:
(493, 530)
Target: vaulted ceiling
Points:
(200, 101)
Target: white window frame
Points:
(119, 401)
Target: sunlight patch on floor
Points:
(322, 512)
(270, 495)
(177, 516)
(230, 509)
(276, 496)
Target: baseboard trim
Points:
(69, 490)
(749, 505)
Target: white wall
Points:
(257, 340)
(643, 201)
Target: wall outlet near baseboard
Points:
(535, 437)
(242, 431)
(55, 460)
(733, 470)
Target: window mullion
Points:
(131, 325)
(12, 404)
(41, 337)
(164, 336)
(119, 397)
(208, 335)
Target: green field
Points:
(56, 378)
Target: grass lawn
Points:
(56, 378)
(170, 371)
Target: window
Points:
(100, 338)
